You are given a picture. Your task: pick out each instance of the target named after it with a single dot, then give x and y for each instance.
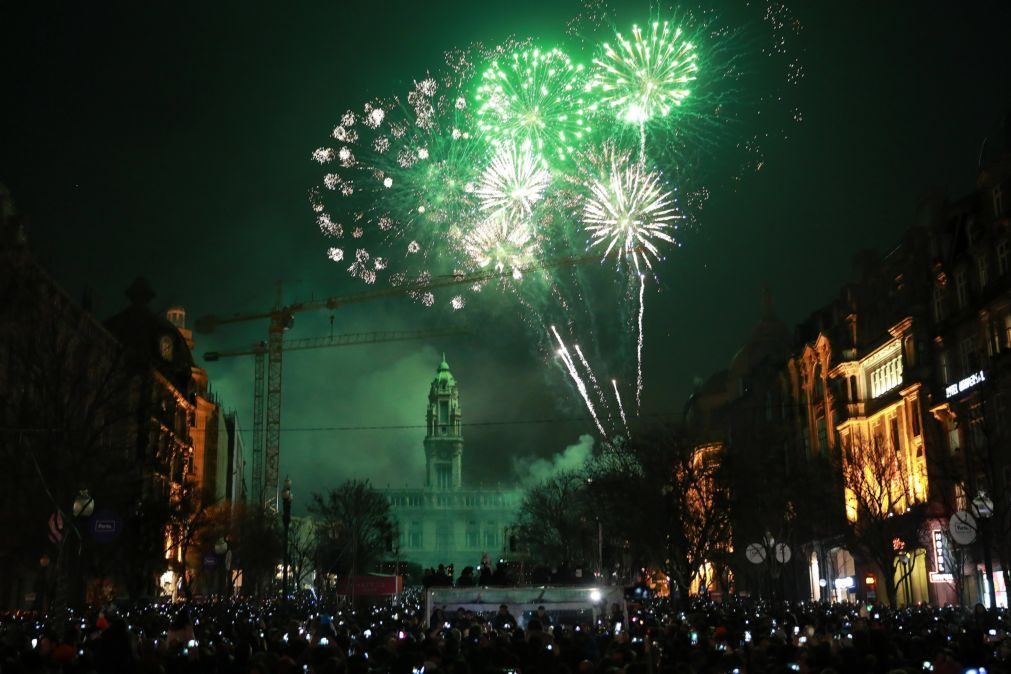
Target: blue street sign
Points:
(105, 526)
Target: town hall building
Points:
(445, 521)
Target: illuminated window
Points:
(1002, 257)
(962, 288)
(886, 376)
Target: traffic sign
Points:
(755, 553)
(105, 526)
(962, 527)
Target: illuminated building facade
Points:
(970, 314)
(900, 386)
(445, 521)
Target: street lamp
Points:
(286, 519)
(84, 505)
(221, 550)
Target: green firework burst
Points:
(536, 100)
(647, 77)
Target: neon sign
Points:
(965, 384)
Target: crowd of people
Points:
(398, 636)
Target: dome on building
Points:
(150, 337)
(769, 339)
(443, 377)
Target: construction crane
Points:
(281, 317)
(259, 351)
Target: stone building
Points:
(444, 521)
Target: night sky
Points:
(174, 143)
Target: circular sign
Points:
(755, 553)
(962, 527)
(782, 553)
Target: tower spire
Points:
(444, 439)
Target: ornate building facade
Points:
(446, 521)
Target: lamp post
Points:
(83, 506)
(286, 519)
(984, 510)
(221, 550)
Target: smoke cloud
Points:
(531, 471)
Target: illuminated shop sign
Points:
(941, 575)
(965, 384)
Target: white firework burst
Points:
(513, 182)
(628, 212)
(500, 242)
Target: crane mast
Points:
(267, 398)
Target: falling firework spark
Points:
(638, 347)
(580, 384)
(628, 211)
(621, 407)
(593, 377)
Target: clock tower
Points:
(444, 439)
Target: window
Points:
(473, 536)
(415, 539)
(886, 376)
(893, 427)
(914, 417)
(966, 357)
(443, 475)
(443, 414)
(938, 303)
(998, 199)
(822, 434)
(443, 536)
(490, 535)
(945, 366)
(983, 269)
(1002, 257)
(962, 288)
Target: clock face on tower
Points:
(165, 347)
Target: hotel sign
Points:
(966, 384)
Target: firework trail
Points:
(621, 407)
(517, 152)
(593, 379)
(638, 346)
(563, 351)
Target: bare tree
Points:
(551, 518)
(302, 545)
(355, 524)
(669, 500)
(62, 407)
(879, 487)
